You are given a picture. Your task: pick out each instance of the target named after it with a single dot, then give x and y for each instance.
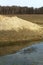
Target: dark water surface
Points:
(32, 55)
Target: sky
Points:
(29, 3)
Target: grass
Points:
(13, 47)
(9, 47)
(38, 19)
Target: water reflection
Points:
(32, 55)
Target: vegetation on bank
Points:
(11, 46)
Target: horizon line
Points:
(19, 6)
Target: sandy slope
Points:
(15, 23)
(24, 29)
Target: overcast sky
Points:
(29, 3)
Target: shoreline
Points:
(11, 49)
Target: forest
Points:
(20, 10)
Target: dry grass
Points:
(4, 50)
(19, 28)
(15, 28)
(38, 19)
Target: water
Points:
(32, 55)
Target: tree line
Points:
(20, 10)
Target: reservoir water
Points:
(32, 55)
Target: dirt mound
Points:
(18, 29)
(15, 23)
